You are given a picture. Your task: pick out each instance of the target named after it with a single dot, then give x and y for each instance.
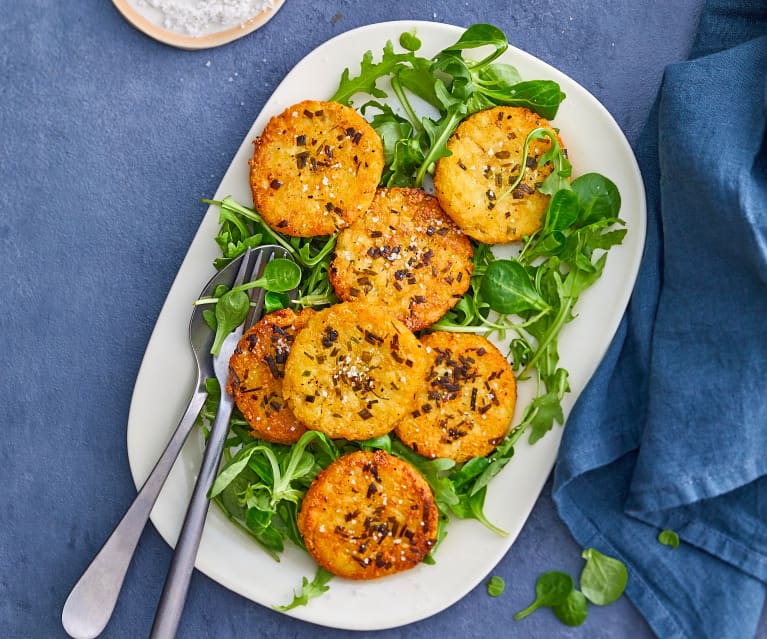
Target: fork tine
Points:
(172, 600)
(257, 295)
(245, 270)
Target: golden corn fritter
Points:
(353, 371)
(315, 168)
(256, 371)
(367, 515)
(406, 254)
(487, 149)
(465, 402)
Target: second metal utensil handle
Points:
(174, 592)
(90, 604)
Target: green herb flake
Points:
(669, 538)
(409, 41)
(496, 586)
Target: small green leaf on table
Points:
(496, 586)
(603, 578)
(552, 589)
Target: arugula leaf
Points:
(390, 126)
(487, 84)
(259, 522)
(471, 506)
(546, 409)
(309, 590)
(232, 470)
(288, 515)
(408, 158)
(260, 487)
(240, 228)
(370, 73)
(433, 470)
(557, 179)
(496, 461)
(468, 472)
(453, 485)
(382, 442)
(420, 80)
(438, 134)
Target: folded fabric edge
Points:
(603, 452)
(695, 489)
(600, 451)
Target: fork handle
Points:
(89, 605)
(174, 592)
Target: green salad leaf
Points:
(551, 589)
(603, 578)
(573, 610)
(495, 586)
(230, 312)
(309, 590)
(370, 72)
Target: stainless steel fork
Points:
(174, 593)
(89, 605)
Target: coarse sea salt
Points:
(201, 17)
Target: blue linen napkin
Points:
(672, 430)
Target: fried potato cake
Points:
(406, 254)
(367, 515)
(315, 168)
(256, 371)
(352, 371)
(466, 401)
(487, 150)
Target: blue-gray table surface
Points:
(108, 141)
